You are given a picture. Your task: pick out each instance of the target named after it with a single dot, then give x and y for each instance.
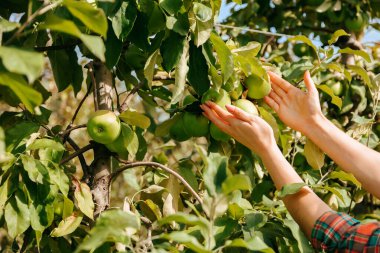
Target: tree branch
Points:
(80, 156)
(56, 47)
(80, 104)
(30, 19)
(163, 167)
(76, 153)
(68, 131)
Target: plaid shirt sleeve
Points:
(339, 232)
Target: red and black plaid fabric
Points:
(339, 232)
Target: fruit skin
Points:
(177, 131)
(257, 87)
(220, 98)
(104, 126)
(218, 134)
(195, 125)
(337, 88)
(247, 106)
(119, 146)
(234, 89)
(301, 49)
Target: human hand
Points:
(297, 109)
(250, 130)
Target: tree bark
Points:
(101, 166)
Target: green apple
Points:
(103, 126)
(218, 134)
(302, 49)
(337, 88)
(220, 98)
(246, 106)
(119, 146)
(257, 86)
(177, 130)
(195, 125)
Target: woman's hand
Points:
(250, 130)
(297, 109)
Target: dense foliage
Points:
(175, 186)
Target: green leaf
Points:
(112, 226)
(24, 62)
(250, 50)
(235, 211)
(255, 243)
(187, 219)
(171, 50)
(93, 43)
(17, 215)
(114, 47)
(198, 70)
(124, 19)
(255, 220)
(157, 20)
(170, 6)
(303, 243)
(289, 189)
(224, 56)
(361, 72)
(150, 67)
(334, 99)
(84, 200)
(346, 177)
(314, 156)
(135, 119)
(59, 178)
(73, 75)
(271, 120)
(41, 216)
(187, 240)
(202, 30)
(6, 26)
(360, 53)
(305, 40)
(236, 182)
(163, 128)
(180, 75)
(36, 170)
(202, 12)
(46, 143)
(337, 34)
(178, 24)
(91, 17)
(28, 96)
(67, 225)
(215, 172)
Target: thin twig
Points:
(255, 31)
(80, 104)
(80, 156)
(30, 19)
(68, 131)
(129, 96)
(129, 165)
(263, 51)
(77, 153)
(56, 47)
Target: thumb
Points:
(309, 83)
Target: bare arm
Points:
(301, 111)
(256, 134)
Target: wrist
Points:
(316, 122)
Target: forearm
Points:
(349, 154)
(305, 206)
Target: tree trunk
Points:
(101, 166)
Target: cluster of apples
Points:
(106, 128)
(189, 124)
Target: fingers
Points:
(272, 103)
(309, 83)
(275, 97)
(278, 81)
(223, 114)
(214, 118)
(239, 113)
(279, 91)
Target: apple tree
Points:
(103, 145)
